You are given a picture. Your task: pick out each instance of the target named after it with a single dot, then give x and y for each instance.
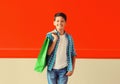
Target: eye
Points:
(62, 21)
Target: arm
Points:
(52, 46)
(69, 73)
(73, 53)
(73, 62)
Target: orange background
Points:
(94, 25)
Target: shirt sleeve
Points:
(49, 36)
(73, 53)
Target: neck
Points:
(61, 32)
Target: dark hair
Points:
(60, 14)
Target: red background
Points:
(94, 25)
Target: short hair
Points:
(60, 14)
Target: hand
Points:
(55, 36)
(69, 73)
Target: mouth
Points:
(60, 25)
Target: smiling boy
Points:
(61, 53)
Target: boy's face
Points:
(59, 23)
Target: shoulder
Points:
(49, 35)
(70, 38)
(69, 35)
(50, 32)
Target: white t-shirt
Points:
(61, 53)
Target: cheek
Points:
(55, 23)
(64, 24)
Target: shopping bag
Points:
(41, 60)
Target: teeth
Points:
(59, 25)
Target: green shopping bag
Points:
(41, 60)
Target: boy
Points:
(61, 53)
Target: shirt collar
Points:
(58, 32)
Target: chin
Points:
(60, 28)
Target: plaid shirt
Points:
(70, 51)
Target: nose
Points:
(60, 22)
